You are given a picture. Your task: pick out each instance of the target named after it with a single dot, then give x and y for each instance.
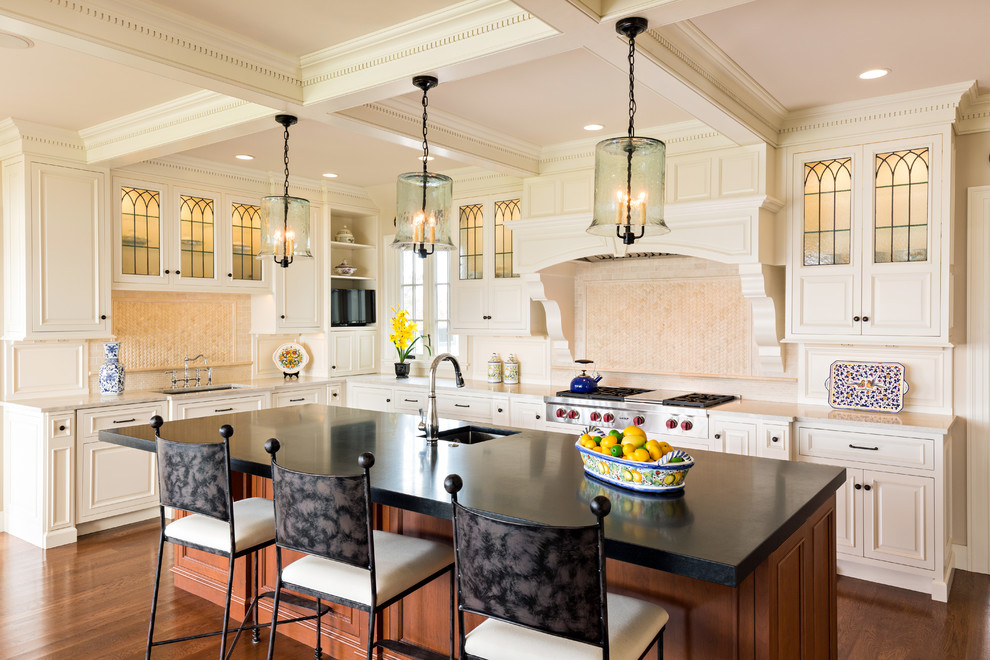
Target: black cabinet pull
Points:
(334, 395)
(333, 367)
(866, 448)
(61, 427)
(222, 409)
(282, 317)
(462, 405)
(167, 271)
(295, 400)
(230, 274)
(537, 417)
(500, 410)
(121, 421)
(856, 319)
(867, 487)
(388, 400)
(103, 317)
(414, 401)
(718, 436)
(858, 486)
(775, 439)
(866, 319)
(178, 272)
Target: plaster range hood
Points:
(740, 231)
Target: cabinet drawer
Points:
(773, 441)
(297, 397)
(335, 395)
(867, 448)
(94, 420)
(467, 407)
(192, 409)
(409, 402)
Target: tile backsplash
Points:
(157, 329)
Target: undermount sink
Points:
(202, 388)
(471, 435)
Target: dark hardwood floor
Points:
(91, 600)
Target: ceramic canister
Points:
(111, 371)
(494, 369)
(510, 371)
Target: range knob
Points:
(560, 412)
(573, 414)
(638, 420)
(686, 425)
(608, 417)
(671, 424)
(595, 416)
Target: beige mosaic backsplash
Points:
(157, 329)
(674, 315)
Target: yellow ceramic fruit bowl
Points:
(664, 476)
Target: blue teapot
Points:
(583, 383)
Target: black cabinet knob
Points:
(774, 439)
(858, 486)
(103, 317)
(167, 271)
(867, 487)
(500, 410)
(718, 435)
(856, 319)
(537, 417)
(61, 427)
(282, 317)
(866, 319)
(388, 400)
(178, 272)
(230, 274)
(333, 367)
(334, 395)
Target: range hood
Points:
(741, 231)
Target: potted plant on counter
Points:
(402, 338)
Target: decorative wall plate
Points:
(290, 358)
(876, 386)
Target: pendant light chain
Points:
(426, 147)
(632, 131)
(286, 159)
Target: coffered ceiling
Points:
(136, 79)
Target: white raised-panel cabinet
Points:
(56, 257)
(335, 394)
(192, 408)
(865, 261)
(352, 352)
(111, 479)
(298, 397)
(898, 517)
(299, 287)
(369, 397)
(734, 437)
(774, 441)
(528, 414)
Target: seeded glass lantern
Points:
(423, 200)
(629, 171)
(284, 219)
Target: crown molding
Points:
(477, 180)
(20, 136)
(933, 107)
(461, 32)
(152, 37)
(974, 112)
(169, 127)
(459, 137)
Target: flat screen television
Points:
(352, 307)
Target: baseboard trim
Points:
(961, 553)
(938, 589)
(117, 521)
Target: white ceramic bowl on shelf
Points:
(344, 268)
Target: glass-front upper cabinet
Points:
(867, 244)
(166, 236)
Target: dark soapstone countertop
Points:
(734, 512)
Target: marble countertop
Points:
(734, 512)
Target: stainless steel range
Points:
(670, 414)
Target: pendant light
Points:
(423, 199)
(629, 170)
(284, 219)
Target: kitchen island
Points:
(744, 561)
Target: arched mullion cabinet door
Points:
(196, 249)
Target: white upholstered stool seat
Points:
(254, 524)
(632, 627)
(400, 562)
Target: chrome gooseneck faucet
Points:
(432, 423)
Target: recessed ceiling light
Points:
(244, 157)
(874, 73)
(330, 175)
(593, 127)
(8, 40)
(428, 158)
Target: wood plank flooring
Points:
(91, 600)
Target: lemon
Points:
(627, 449)
(616, 434)
(641, 455)
(653, 447)
(586, 436)
(633, 430)
(636, 441)
(587, 443)
(609, 441)
(665, 448)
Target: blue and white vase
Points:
(111, 371)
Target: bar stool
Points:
(195, 478)
(543, 591)
(328, 518)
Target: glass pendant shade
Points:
(284, 227)
(629, 191)
(423, 226)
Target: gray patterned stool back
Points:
(547, 578)
(195, 477)
(322, 515)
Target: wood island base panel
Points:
(744, 562)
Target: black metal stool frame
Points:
(365, 461)
(226, 431)
(600, 507)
